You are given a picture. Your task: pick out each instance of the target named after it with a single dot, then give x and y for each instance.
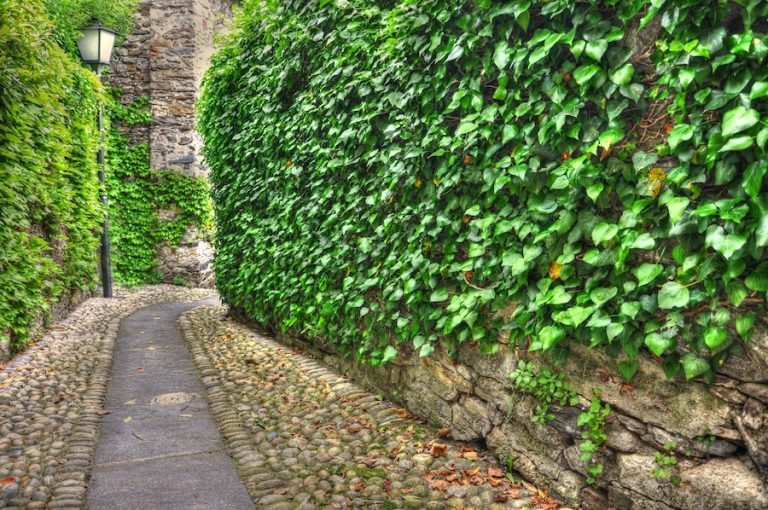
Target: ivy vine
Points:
(137, 195)
(399, 173)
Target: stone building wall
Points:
(719, 431)
(164, 59)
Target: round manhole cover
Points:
(170, 399)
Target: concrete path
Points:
(159, 446)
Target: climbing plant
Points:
(137, 195)
(49, 205)
(392, 174)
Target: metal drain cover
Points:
(172, 399)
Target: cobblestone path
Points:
(302, 437)
(51, 402)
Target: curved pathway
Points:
(159, 446)
(256, 425)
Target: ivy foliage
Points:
(71, 15)
(49, 189)
(396, 173)
(138, 194)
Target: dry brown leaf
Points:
(438, 485)
(443, 433)
(438, 450)
(474, 471)
(402, 413)
(470, 455)
(495, 472)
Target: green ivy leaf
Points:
(737, 292)
(694, 366)
(473, 211)
(594, 190)
(739, 119)
(641, 160)
(738, 143)
(602, 295)
(627, 369)
(573, 316)
(501, 55)
(465, 127)
(623, 75)
(673, 295)
(630, 309)
(646, 273)
(726, 244)
(583, 74)
(658, 344)
(680, 133)
(596, 49)
(603, 232)
(439, 295)
(758, 279)
(390, 353)
(759, 89)
(745, 325)
(715, 338)
(676, 207)
(753, 177)
(550, 336)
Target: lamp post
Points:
(95, 47)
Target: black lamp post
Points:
(95, 47)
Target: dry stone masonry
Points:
(164, 59)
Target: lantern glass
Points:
(96, 45)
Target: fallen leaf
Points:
(495, 472)
(127, 419)
(130, 403)
(8, 480)
(443, 433)
(470, 455)
(387, 485)
(103, 412)
(438, 485)
(473, 471)
(438, 449)
(281, 490)
(402, 413)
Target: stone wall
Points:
(719, 431)
(164, 59)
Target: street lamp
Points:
(95, 45)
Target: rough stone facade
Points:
(719, 431)
(164, 59)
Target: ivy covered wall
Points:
(50, 212)
(390, 175)
(148, 207)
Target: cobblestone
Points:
(51, 401)
(305, 437)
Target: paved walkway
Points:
(159, 446)
(301, 436)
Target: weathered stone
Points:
(753, 425)
(621, 439)
(702, 485)
(493, 366)
(758, 391)
(665, 402)
(470, 419)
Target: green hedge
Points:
(388, 175)
(50, 212)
